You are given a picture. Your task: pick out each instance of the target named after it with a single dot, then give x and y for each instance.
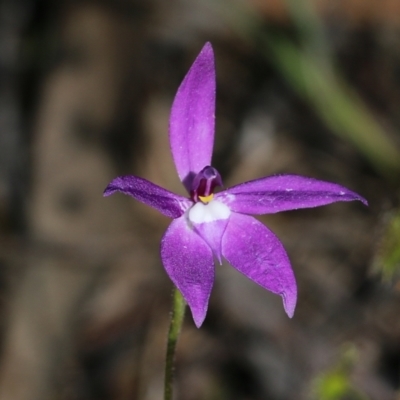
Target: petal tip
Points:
(355, 196)
(199, 311)
(198, 320)
(109, 190)
(350, 196)
(289, 304)
(114, 186)
(364, 201)
(207, 48)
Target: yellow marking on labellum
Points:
(206, 199)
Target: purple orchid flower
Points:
(208, 225)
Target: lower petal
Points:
(256, 252)
(189, 263)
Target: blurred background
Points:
(304, 87)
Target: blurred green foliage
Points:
(335, 383)
(336, 103)
(308, 67)
(387, 259)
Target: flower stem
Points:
(178, 313)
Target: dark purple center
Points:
(204, 183)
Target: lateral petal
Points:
(191, 125)
(188, 261)
(257, 253)
(277, 193)
(168, 203)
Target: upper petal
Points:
(257, 253)
(168, 203)
(191, 126)
(277, 193)
(189, 263)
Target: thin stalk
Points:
(177, 315)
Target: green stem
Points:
(178, 313)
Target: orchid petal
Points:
(168, 203)
(209, 221)
(211, 233)
(258, 254)
(189, 263)
(191, 126)
(277, 193)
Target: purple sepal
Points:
(168, 203)
(191, 124)
(189, 263)
(258, 254)
(277, 193)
